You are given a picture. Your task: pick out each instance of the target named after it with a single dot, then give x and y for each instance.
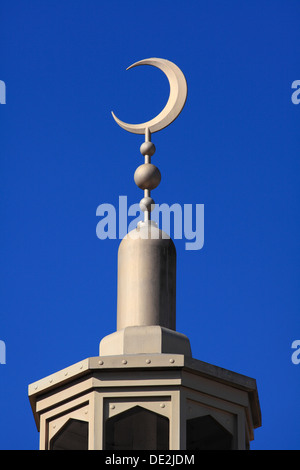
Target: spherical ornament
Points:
(147, 176)
(147, 204)
(147, 148)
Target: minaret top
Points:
(146, 307)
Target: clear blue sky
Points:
(234, 148)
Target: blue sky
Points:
(234, 148)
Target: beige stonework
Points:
(145, 340)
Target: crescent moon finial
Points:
(175, 103)
(147, 176)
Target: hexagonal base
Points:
(207, 407)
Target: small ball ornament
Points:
(147, 148)
(147, 204)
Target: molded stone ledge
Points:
(145, 340)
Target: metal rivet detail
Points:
(148, 361)
(112, 407)
(162, 405)
(172, 361)
(124, 361)
(101, 363)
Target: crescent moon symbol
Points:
(175, 103)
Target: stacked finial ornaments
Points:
(147, 176)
